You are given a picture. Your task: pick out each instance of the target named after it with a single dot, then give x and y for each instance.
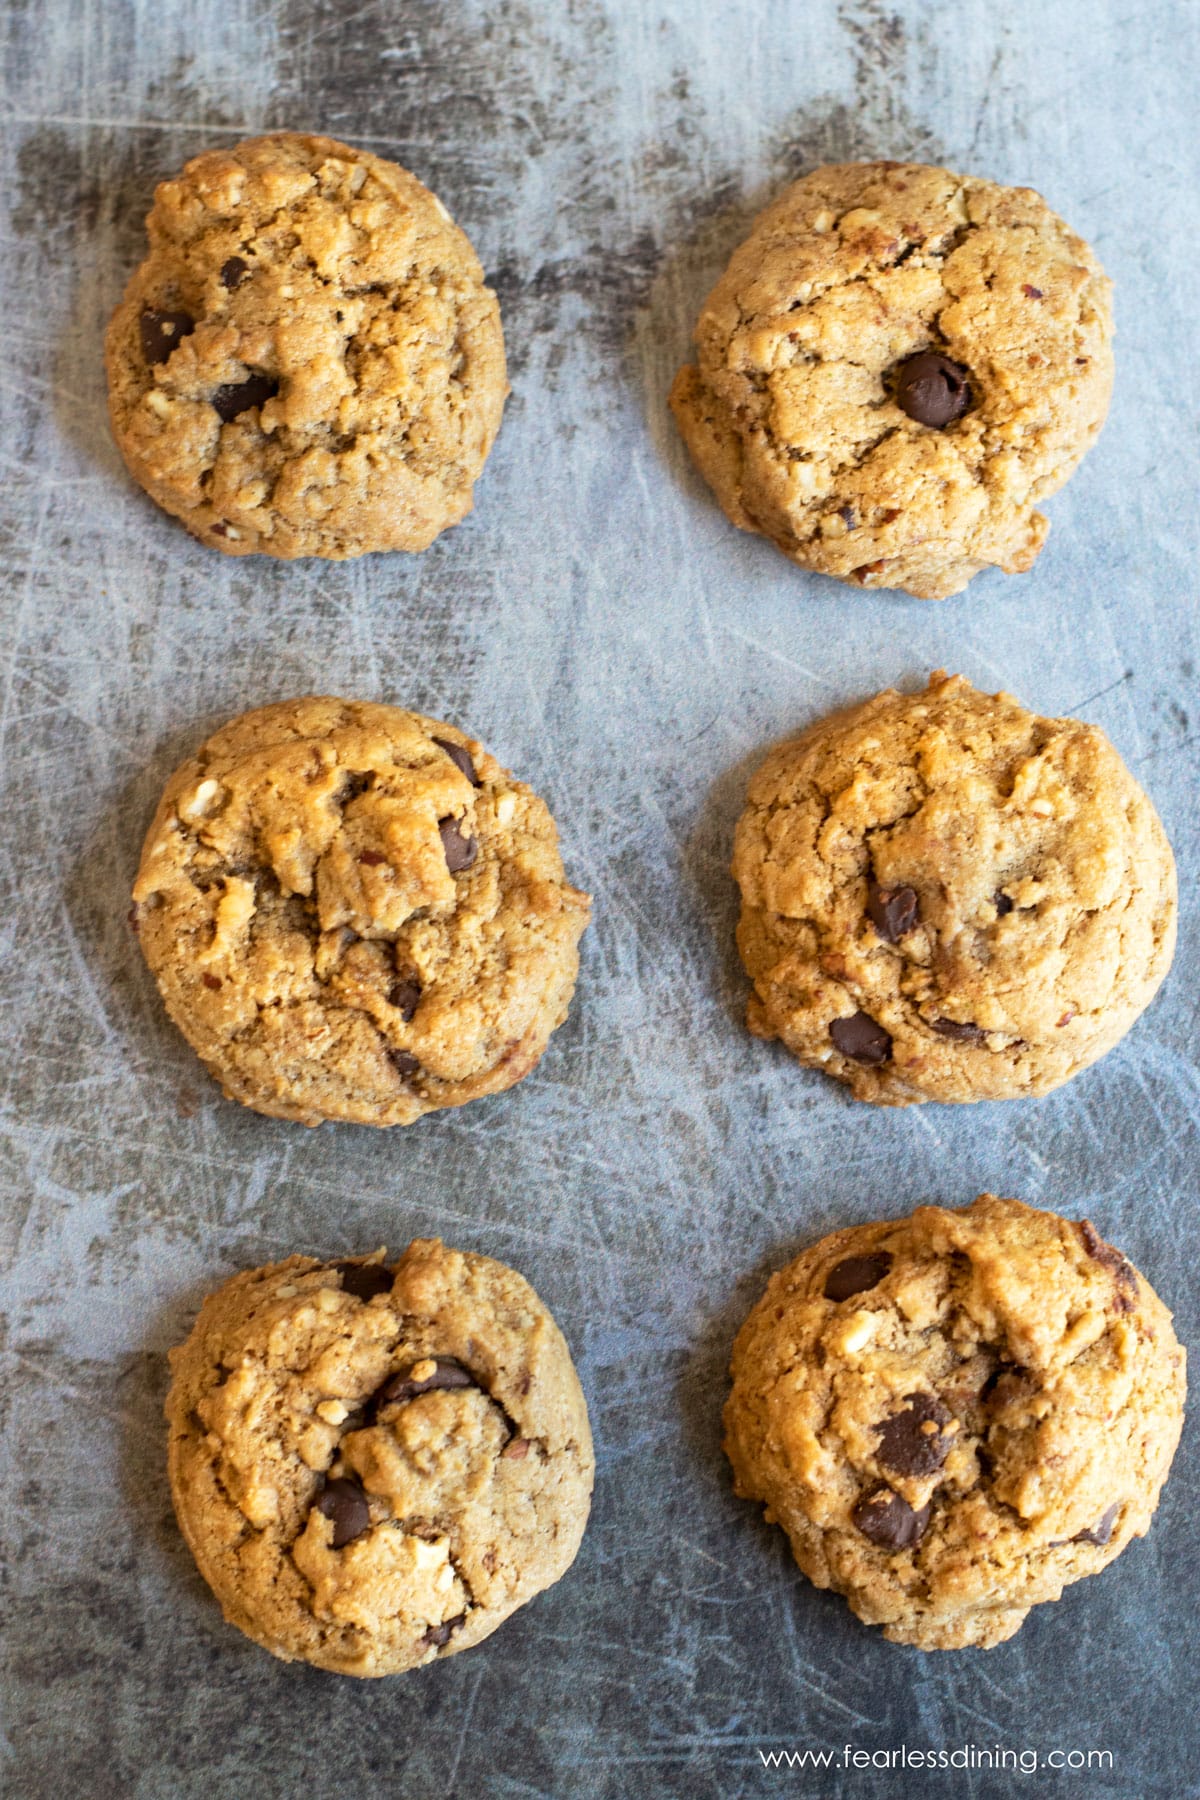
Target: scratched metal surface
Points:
(609, 636)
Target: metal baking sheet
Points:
(610, 637)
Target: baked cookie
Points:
(955, 1415)
(308, 362)
(945, 897)
(353, 912)
(374, 1466)
(897, 367)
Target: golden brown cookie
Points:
(308, 362)
(375, 1465)
(945, 897)
(955, 1415)
(897, 367)
(353, 912)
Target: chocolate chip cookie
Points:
(308, 362)
(945, 897)
(375, 1464)
(955, 1415)
(897, 367)
(353, 912)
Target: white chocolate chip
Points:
(286, 1292)
(859, 1331)
(329, 1299)
(332, 1411)
(158, 403)
(201, 802)
(506, 806)
(444, 1578)
(430, 1556)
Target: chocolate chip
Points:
(1110, 1258)
(855, 1274)
(373, 859)
(907, 1445)
(460, 851)
(234, 271)
(1032, 292)
(460, 756)
(889, 1521)
(236, 397)
(364, 1280)
(437, 1635)
(404, 1062)
(861, 1039)
(162, 331)
(344, 1502)
(211, 981)
(400, 1387)
(931, 389)
(1009, 1385)
(960, 1029)
(847, 514)
(1002, 903)
(892, 911)
(1102, 1531)
(405, 996)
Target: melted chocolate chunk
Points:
(400, 1387)
(855, 1274)
(913, 1442)
(364, 1280)
(931, 389)
(861, 1039)
(344, 1502)
(889, 1521)
(236, 397)
(405, 996)
(1102, 1530)
(892, 911)
(162, 331)
(234, 271)
(460, 756)
(1110, 1258)
(961, 1030)
(460, 851)
(437, 1635)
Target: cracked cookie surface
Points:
(375, 1465)
(354, 912)
(946, 897)
(797, 411)
(308, 362)
(955, 1415)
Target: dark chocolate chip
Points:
(460, 851)
(400, 1387)
(1102, 1530)
(211, 981)
(1110, 1258)
(1008, 1385)
(1002, 903)
(162, 331)
(931, 389)
(861, 1039)
(404, 1062)
(364, 1280)
(344, 1502)
(460, 756)
(855, 1274)
(960, 1029)
(437, 1635)
(892, 911)
(234, 271)
(847, 513)
(405, 996)
(236, 397)
(889, 1521)
(906, 1445)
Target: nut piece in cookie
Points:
(353, 912)
(375, 1464)
(897, 367)
(955, 1415)
(308, 362)
(946, 897)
